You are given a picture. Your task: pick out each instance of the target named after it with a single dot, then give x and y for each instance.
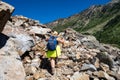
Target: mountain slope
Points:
(96, 19)
(23, 53)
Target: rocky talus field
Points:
(23, 52)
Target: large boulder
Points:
(5, 13)
(11, 67)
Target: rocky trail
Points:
(23, 52)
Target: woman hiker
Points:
(54, 51)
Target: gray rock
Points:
(88, 67)
(67, 71)
(18, 23)
(23, 43)
(105, 58)
(11, 67)
(79, 76)
(90, 42)
(38, 30)
(43, 79)
(102, 74)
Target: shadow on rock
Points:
(3, 40)
(45, 64)
(25, 54)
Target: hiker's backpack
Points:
(52, 43)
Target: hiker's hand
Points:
(62, 40)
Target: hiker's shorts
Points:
(54, 53)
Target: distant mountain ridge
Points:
(102, 21)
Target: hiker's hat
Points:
(55, 33)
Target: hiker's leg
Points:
(56, 60)
(52, 61)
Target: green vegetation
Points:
(111, 32)
(60, 28)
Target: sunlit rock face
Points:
(11, 67)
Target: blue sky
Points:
(49, 10)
